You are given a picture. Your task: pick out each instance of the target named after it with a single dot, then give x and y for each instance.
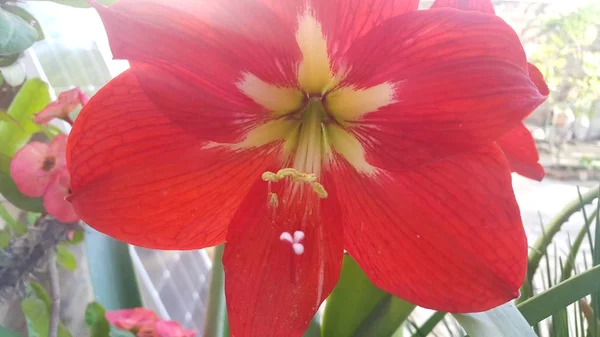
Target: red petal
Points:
(538, 79)
(270, 290)
(216, 39)
(196, 105)
(446, 236)
(54, 198)
(139, 178)
(483, 6)
(520, 150)
(343, 21)
(204, 50)
(460, 82)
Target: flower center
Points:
(318, 116)
(48, 163)
(311, 145)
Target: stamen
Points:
(311, 179)
(273, 199)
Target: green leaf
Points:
(32, 217)
(502, 321)
(7, 60)
(65, 258)
(216, 312)
(32, 97)
(96, 321)
(35, 290)
(116, 332)
(595, 262)
(81, 3)
(63, 331)
(570, 261)
(78, 237)
(9, 189)
(541, 245)
(94, 312)
(4, 238)
(6, 118)
(27, 17)
(427, 327)
(4, 332)
(113, 276)
(356, 307)
(561, 295)
(16, 35)
(14, 226)
(37, 316)
(314, 328)
(50, 130)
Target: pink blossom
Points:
(39, 169)
(172, 329)
(66, 102)
(140, 320)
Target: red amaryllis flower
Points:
(296, 129)
(66, 102)
(39, 169)
(518, 144)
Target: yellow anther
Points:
(319, 189)
(273, 199)
(294, 174)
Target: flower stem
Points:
(216, 314)
(54, 295)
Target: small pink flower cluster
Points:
(145, 323)
(40, 169)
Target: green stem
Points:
(216, 314)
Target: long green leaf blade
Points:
(427, 327)
(356, 307)
(574, 250)
(541, 245)
(560, 296)
(112, 274)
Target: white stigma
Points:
(298, 248)
(285, 236)
(298, 236)
(295, 240)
